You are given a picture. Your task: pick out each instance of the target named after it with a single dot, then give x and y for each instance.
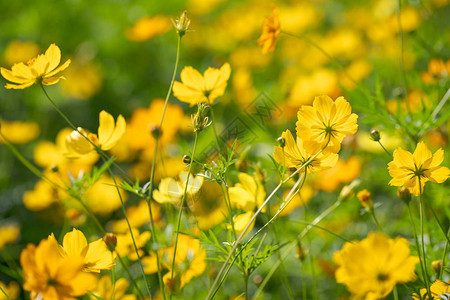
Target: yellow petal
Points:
(8, 75)
(187, 94)
(74, 243)
(53, 56)
(192, 78)
(421, 154)
(98, 257)
(20, 86)
(403, 158)
(58, 69)
(22, 71)
(51, 80)
(117, 134)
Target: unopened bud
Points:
(437, 266)
(365, 198)
(281, 141)
(375, 134)
(110, 240)
(404, 195)
(187, 159)
(156, 131)
(182, 24)
(346, 193)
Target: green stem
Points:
(6, 295)
(183, 200)
(372, 212)
(293, 244)
(131, 231)
(421, 215)
(152, 172)
(385, 150)
(113, 283)
(419, 251)
(444, 257)
(395, 292)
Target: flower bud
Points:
(404, 195)
(182, 24)
(365, 198)
(347, 191)
(200, 121)
(375, 134)
(281, 141)
(78, 143)
(187, 159)
(300, 252)
(437, 266)
(110, 240)
(156, 131)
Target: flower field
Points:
(224, 149)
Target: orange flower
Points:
(270, 31)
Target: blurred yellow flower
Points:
(137, 216)
(365, 198)
(41, 69)
(84, 80)
(8, 234)
(147, 28)
(270, 30)
(171, 190)
(241, 221)
(17, 51)
(294, 155)
(102, 198)
(413, 170)
(45, 194)
(326, 123)
(12, 290)
(196, 88)
(439, 290)
(95, 255)
(372, 267)
(104, 289)
(300, 199)
(18, 132)
(190, 262)
(344, 171)
(437, 69)
(48, 275)
(248, 194)
(109, 133)
(125, 246)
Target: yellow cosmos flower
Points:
(18, 132)
(109, 133)
(125, 245)
(95, 255)
(413, 170)
(270, 31)
(241, 221)
(439, 290)
(50, 276)
(295, 155)
(148, 27)
(248, 194)
(103, 198)
(196, 88)
(104, 288)
(171, 190)
(326, 123)
(190, 262)
(12, 290)
(17, 51)
(372, 267)
(41, 69)
(8, 234)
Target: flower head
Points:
(270, 31)
(372, 267)
(41, 69)
(8, 234)
(249, 194)
(196, 88)
(48, 275)
(326, 123)
(294, 155)
(95, 255)
(413, 170)
(109, 133)
(439, 290)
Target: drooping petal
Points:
(52, 80)
(8, 75)
(58, 69)
(20, 86)
(74, 243)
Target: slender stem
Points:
(6, 295)
(395, 292)
(152, 172)
(130, 229)
(385, 150)
(401, 57)
(214, 128)
(246, 285)
(416, 238)
(113, 283)
(372, 212)
(183, 200)
(214, 287)
(444, 257)
(421, 215)
(293, 244)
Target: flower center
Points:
(382, 277)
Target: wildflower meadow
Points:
(213, 149)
